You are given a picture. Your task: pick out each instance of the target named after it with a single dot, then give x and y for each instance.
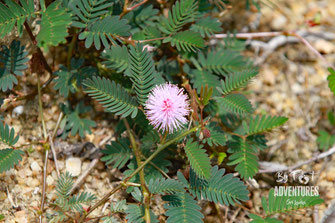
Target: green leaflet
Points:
(183, 12)
(236, 103)
(182, 208)
(12, 13)
(142, 71)
(207, 26)
(198, 159)
(105, 30)
(55, 21)
(186, 41)
(112, 96)
(13, 60)
(220, 188)
(9, 157)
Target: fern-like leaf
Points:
(142, 72)
(216, 137)
(9, 158)
(88, 11)
(182, 208)
(223, 61)
(64, 185)
(12, 13)
(243, 156)
(76, 201)
(220, 188)
(236, 80)
(118, 153)
(135, 214)
(198, 158)
(264, 123)
(116, 58)
(162, 185)
(12, 62)
(207, 26)
(109, 28)
(236, 103)
(278, 204)
(183, 12)
(202, 78)
(187, 41)
(7, 135)
(54, 24)
(112, 96)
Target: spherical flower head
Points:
(167, 107)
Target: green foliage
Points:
(331, 79)
(198, 159)
(162, 185)
(12, 13)
(183, 12)
(54, 24)
(74, 123)
(223, 61)
(258, 219)
(186, 41)
(207, 26)
(112, 96)
(277, 204)
(264, 123)
(236, 80)
(88, 11)
(12, 62)
(325, 140)
(244, 156)
(118, 153)
(142, 71)
(109, 28)
(119, 206)
(220, 188)
(135, 214)
(67, 202)
(7, 135)
(236, 103)
(181, 207)
(116, 58)
(147, 16)
(69, 80)
(201, 78)
(217, 136)
(9, 158)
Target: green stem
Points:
(137, 152)
(160, 148)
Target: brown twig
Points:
(52, 147)
(320, 156)
(80, 179)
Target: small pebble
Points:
(35, 167)
(73, 166)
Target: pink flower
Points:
(166, 107)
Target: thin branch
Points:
(248, 35)
(160, 148)
(80, 179)
(44, 183)
(320, 156)
(137, 5)
(52, 147)
(145, 190)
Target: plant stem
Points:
(46, 150)
(145, 190)
(160, 148)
